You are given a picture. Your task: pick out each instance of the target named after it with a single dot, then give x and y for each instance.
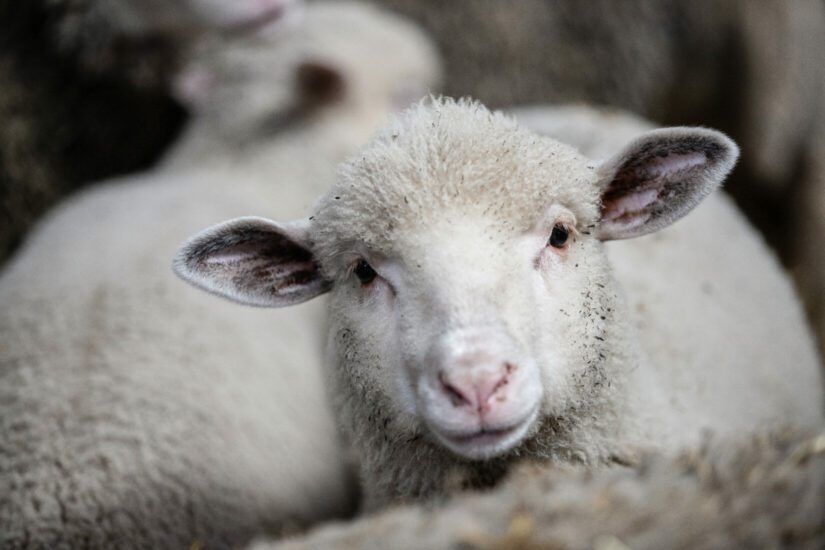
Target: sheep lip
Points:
(483, 433)
(486, 442)
(482, 436)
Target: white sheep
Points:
(477, 315)
(137, 413)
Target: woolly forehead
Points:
(445, 162)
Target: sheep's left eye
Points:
(558, 238)
(365, 273)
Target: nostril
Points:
(457, 398)
(492, 386)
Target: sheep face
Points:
(471, 296)
(475, 294)
(472, 328)
(346, 61)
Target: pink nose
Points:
(476, 390)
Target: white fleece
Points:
(137, 412)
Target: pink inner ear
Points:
(632, 203)
(674, 162)
(234, 254)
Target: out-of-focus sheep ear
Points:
(660, 177)
(319, 83)
(253, 261)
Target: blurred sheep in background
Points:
(137, 413)
(85, 85)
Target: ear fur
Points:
(660, 177)
(253, 261)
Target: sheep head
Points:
(470, 292)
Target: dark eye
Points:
(364, 272)
(558, 238)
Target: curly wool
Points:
(768, 493)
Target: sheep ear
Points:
(660, 177)
(253, 261)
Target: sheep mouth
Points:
(486, 442)
(483, 436)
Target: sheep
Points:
(135, 414)
(85, 92)
(257, 92)
(476, 317)
(766, 493)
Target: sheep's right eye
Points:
(365, 273)
(558, 238)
